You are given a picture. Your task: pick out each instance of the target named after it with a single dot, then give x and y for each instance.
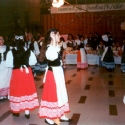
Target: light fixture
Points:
(57, 3)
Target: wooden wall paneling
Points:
(81, 24)
(105, 22)
(93, 22)
(99, 24)
(52, 20)
(82, 29)
(49, 21)
(88, 23)
(62, 21)
(55, 21)
(63, 18)
(71, 26)
(85, 23)
(96, 22)
(45, 22)
(68, 26)
(78, 25)
(74, 26)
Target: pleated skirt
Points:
(49, 103)
(22, 95)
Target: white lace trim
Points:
(49, 104)
(4, 91)
(54, 111)
(23, 98)
(16, 107)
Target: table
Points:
(92, 59)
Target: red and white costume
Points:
(54, 102)
(23, 95)
(82, 62)
(5, 72)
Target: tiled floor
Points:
(95, 97)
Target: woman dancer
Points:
(54, 102)
(22, 96)
(82, 62)
(108, 56)
(123, 57)
(5, 72)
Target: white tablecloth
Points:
(92, 59)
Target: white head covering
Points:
(105, 38)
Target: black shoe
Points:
(27, 116)
(16, 114)
(69, 120)
(49, 123)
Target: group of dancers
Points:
(18, 83)
(17, 80)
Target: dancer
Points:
(123, 57)
(54, 102)
(82, 62)
(23, 95)
(5, 72)
(108, 56)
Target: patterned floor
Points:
(95, 97)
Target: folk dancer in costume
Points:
(108, 56)
(5, 72)
(63, 47)
(54, 103)
(23, 95)
(123, 57)
(82, 62)
(32, 44)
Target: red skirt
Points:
(49, 104)
(23, 95)
(80, 64)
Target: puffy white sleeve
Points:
(52, 52)
(32, 59)
(64, 45)
(9, 59)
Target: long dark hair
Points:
(46, 41)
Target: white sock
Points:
(64, 118)
(27, 112)
(49, 121)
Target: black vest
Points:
(4, 54)
(20, 57)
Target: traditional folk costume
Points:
(5, 73)
(54, 102)
(108, 56)
(123, 60)
(23, 95)
(82, 62)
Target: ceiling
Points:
(46, 4)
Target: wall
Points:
(18, 12)
(84, 23)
